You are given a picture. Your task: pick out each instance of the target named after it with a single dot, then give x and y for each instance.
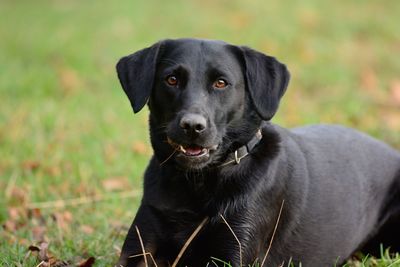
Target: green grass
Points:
(67, 130)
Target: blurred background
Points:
(72, 153)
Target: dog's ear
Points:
(136, 74)
(266, 80)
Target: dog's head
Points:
(206, 98)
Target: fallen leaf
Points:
(38, 233)
(309, 18)
(87, 229)
(368, 79)
(85, 189)
(44, 257)
(395, 91)
(10, 226)
(116, 183)
(239, 20)
(392, 119)
(69, 79)
(53, 170)
(35, 213)
(17, 217)
(140, 148)
(36, 216)
(119, 226)
(14, 213)
(33, 248)
(110, 152)
(30, 165)
(42, 250)
(87, 263)
(18, 197)
(63, 219)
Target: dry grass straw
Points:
(273, 233)
(237, 240)
(146, 254)
(188, 241)
(82, 200)
(142, 246)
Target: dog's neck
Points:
(243, 151)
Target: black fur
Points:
(339, 188)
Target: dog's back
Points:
(353, 176)
(347, 153)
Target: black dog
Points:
(312, 195)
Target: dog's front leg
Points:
(231, 241)
(141, 242)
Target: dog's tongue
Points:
(192, 151)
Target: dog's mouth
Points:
(195, 151)
(192, 150)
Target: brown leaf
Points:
(33, 248)
(110, 152)
(392, 119)
(38, 233)
(116, 183)
(30, 165)
(18, 197)
(14, 213)
(368, 79)
(10, 226)
(87, 263)
(35, 213)
(36, 216)
(17, 217)
(140, 148)
(42, 252)
(69, 79)
(84, 189)
(41, 249)
(68, 216)
(309, 18)
(87, 229)
(53, 170)
(239, 20)
(63, 219)
(395, 91)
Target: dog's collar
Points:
(242, 151)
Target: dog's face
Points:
(199, 92)
(205, 97)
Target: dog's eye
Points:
(220, 84)
(172, 80)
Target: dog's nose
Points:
(193, 123)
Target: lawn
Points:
(72, 152)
